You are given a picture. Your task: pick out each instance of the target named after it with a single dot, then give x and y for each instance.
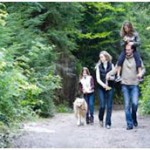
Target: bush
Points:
(63, 108)
(145, 96)
(4, 136)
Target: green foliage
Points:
(145, 98)
(12, 88)
(26, 64)
(3, 14)
(99, 31)
(63, 108)
(4, 136)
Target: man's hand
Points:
(139, 75)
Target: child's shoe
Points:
(118, 79)
(140, 79)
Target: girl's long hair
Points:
(107, 55)
(130, 26)
(87, 71)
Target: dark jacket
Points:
(103, 73)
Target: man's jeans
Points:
(90, 102)
(105, 100)
(130, 94)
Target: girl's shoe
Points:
(101, 123)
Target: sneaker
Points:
(135, 124)
(140, 79)
(91, 120)
(118, 79)
(101, 123)
(129, 128)
(108, 126)
(87, 120)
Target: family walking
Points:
(128, 70)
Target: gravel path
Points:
(62, 132)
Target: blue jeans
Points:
(105, 100)
(130, 94)
(90, 102)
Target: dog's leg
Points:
(78, 120)
(82, 121)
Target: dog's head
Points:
(79, 102)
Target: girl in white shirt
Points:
(87, 88)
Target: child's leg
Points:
(120, 62)
(121, 58)
(137, 59)
(138, 62)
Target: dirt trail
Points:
(62, 132)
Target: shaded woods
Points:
(44, 45)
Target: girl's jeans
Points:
(90, 102)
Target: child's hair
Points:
(130, 26)
(87, 71)
(107, 55)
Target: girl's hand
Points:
(126, 39)
(106, 87)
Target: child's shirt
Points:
(87, 84)
(134, 38)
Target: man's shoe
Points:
(135, 124)
(129, 128)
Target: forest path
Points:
(61, 131)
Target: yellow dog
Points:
(80, 109)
